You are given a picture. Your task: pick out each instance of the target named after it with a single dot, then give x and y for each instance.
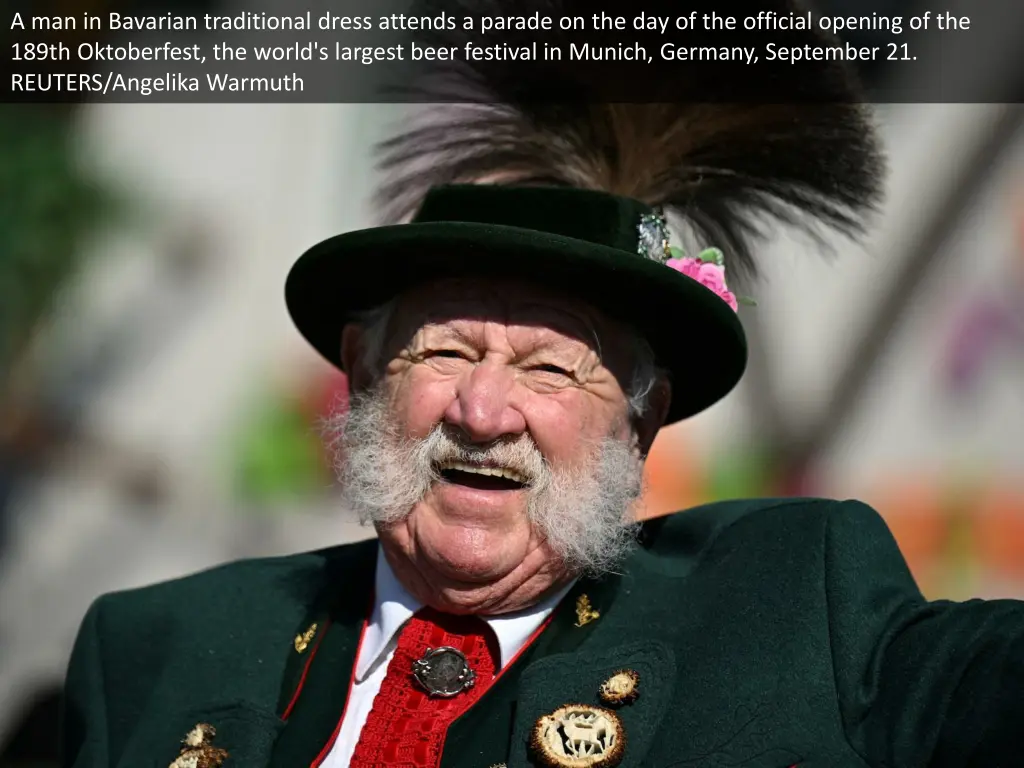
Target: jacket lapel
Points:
(315, 688)
(583, 650)
(229, 672)
(575, 678)
(483, 736)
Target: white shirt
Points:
(392, 608)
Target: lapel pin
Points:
(621, 688)
(579, 736)
(196, 750)
(303, 640)
(584, 612)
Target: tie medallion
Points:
(443, 672)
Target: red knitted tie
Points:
(406, 726)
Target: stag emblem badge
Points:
(579, 736)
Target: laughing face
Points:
(496, 441)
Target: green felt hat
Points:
(605, 249)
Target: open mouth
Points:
(482, 478)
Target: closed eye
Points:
(553, 369)
(445, 358)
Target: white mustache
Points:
(519, 457)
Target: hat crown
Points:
(583, 214)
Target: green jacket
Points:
(766, 634)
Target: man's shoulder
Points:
(793, 522)
(710, 520)
(238, 585)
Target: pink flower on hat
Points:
(707, 273)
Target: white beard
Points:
(585, 513)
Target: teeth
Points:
(508, 474)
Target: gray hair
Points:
(646, 373)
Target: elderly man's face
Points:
(516, 402)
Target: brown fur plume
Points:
(726, 168)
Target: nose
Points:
(483, 407)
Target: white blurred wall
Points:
(814, 308)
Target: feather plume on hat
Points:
(691, 139)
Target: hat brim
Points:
(695, 335)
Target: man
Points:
(512, 353)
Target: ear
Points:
(653, 419)
(353, 357)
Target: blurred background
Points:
(158, 413)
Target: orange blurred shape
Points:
(913, 510)
(999, 528)
(673, 475)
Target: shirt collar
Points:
(393, 606)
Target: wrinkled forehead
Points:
(549, 316)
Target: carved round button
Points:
(579, 736)
(621, 688)
(443, 672)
